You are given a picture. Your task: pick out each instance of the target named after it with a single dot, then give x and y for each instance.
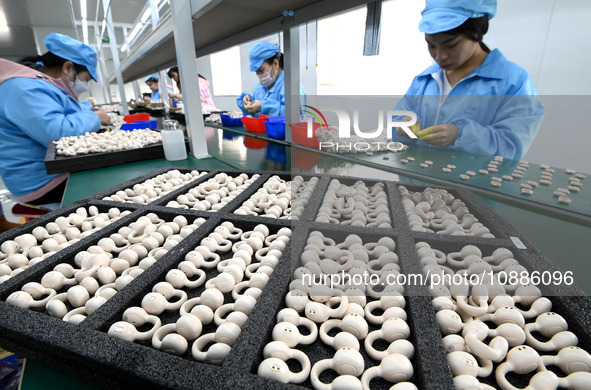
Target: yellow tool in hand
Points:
(415, 128)
(426, 134)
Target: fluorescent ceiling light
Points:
(124, 47)
(85, 30)
(3, 22)
(146, 15)
(83, 9)
(134, 32)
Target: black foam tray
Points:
(86, 352)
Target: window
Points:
(225, 72)
(342, 68)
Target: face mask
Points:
(266, 78)
(78, 86)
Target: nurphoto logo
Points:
(394, 119)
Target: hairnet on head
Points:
(72, 50)
(260, 52)
(152, 76)
(445, 15)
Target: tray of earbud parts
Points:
(112, 148)
(188, 279)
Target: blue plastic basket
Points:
(275, 130)
(227, 120)
(276, 119)
(140, 125)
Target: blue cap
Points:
(152, 76)
(260, 52)
(445, 15)
(72, 50)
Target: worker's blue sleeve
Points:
(46, 114)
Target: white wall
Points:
(550, 39)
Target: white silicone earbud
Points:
(580, 380)
(189, 326)
(551, 325)
(393, 329)
(215, 354)
(166, 340)
(277, 369)
(449, 321)
(25, 300)
(351, 323)
(454, 342)
(297, 300)
(132, 317)
(279, 350)
(464, 363)
(346, 361)
(179, 279)
(393, 368)
(291, 315)
(475, 333)
(290, 335)
(521, 360)
(319, 312)
(505, 315)
(569, 360)
(157, 301)
(386, 303)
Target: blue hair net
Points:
(445, 15)
(72, 50)
(152, 76)
(260, 52)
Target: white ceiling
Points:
(30, 21)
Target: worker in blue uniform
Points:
(472, 99)
(38, 107)
(152, 81)
(268, 96)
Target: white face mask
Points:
(78, 86)
(266, 79)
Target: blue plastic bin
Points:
(276, 119)
(275, 130)
(140, 125)
(227, 120)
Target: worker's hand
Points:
(414, 128)
(254, 106)
(439, 135)
(246, 100)
(103, 116)
(147, 99)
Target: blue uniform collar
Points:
(493, 67)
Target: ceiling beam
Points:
(115, 24)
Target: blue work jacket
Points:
(495, 107)
(32, 113)
(273, 100)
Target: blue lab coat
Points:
(495, 107)
(32, 113)
(273, 100)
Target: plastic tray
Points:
(256, 125)
(299, 134)
(140, 125)
(227, 120)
